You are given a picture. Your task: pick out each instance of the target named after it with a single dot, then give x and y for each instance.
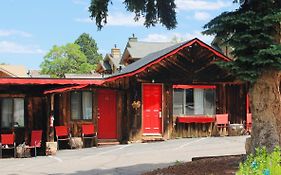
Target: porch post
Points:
(51, 117)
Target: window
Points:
(81, 105)
(194, 102)
(12, 112)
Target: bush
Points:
(262, 163)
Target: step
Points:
(146, 139)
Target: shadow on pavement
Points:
(128, 170)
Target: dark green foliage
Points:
(89, 47)
(253, 32)
(154, 11)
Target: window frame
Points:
(13, 112)
(184, 104)
(81, 105)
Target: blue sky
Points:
(29, 28)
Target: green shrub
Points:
(262, 163)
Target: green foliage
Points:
(65, 59)
(89, 47)
(253, 32)
(154, 11)
(262, 163)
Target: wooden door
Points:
(152, 109)
(107, 118)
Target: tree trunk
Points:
(266, 111)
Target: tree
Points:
(89, 47)
(154, 11)
(65, 59)
(253, 30)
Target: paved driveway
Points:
(124, 159)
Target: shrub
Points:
(262, 163)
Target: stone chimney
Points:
(115, 52)
(133, 38)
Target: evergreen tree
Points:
(154, 11)
(89, 47)
(253, 30)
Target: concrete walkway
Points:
(124, 159)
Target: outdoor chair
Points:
(36, 139)
(62, 134)
(222, 122)
(88, 132)
(249, 123)
(8, 142)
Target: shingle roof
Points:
(14, 70)
(139, 49)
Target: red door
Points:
(107, 119)
(152, 108)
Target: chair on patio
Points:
(36, 139)
(62, 134)
(7, 142)
(222, 123)
(88, 132)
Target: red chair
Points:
(249, 123)
(8, 142)
(222, 121)
(36, 139)
(88, 132)
(62, 134)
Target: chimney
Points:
(115, 52)
(133, 38)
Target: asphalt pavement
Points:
(131, 159)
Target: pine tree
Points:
(253, 30)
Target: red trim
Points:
(65, 89)
(194, 87)
(43, 81)
(196, 119)
(191, 42)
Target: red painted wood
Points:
(195, 119)
(194, 86)
(152, 108)
(107, 119)
(54, 81)
(59, 90)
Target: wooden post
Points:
(51, 129)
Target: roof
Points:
(51, 81)
(139, 49)
(14, 70)
(95, 75)
(115, 60)
(155, 57)
(130, 70)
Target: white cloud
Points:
(179, 36)
(116, 19)
(202, 16)
(15, 48)
(13, 32)
(202, 4)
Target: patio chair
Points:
(7, 142)
(36, 139)
(62, 134)
(88, 132)
(222, 122)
